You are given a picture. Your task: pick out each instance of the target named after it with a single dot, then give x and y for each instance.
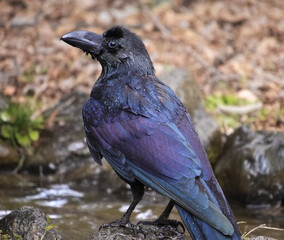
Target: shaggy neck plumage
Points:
(138, 64)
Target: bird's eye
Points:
(112, 44)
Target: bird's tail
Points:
(199, 230)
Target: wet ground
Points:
(78, 210)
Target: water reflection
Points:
(57, 190)
(78, 210)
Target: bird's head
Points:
(116, 48)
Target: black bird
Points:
(143, 130)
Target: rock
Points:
(187, 89)
(251, 167)
(145, 232)
(29, 223)
(8, 155)
(209, 133)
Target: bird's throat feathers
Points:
(126, 65)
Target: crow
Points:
(137, 123)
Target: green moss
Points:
(8, 237)
(213, 101)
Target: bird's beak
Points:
(87, 41)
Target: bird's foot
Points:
(164, 222)
(125, 224)
(119, 223)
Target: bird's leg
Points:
(137, 190)
(164, 218)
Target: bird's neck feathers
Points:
(134, 62)
(131, 64)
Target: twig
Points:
(240, 109)
(262, 226)
(20, 164)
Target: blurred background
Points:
(224, 59)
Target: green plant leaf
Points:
(49, 227)
(18, 125)
(47, 220)
(38, 122)
(34, 135)
(5, 116)
(7, 131)
(23, 139)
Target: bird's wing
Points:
(159, 155)
(93, 146)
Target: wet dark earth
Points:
(78, 209)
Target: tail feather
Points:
(199, 230)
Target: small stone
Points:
(29, 223)
(247, 95)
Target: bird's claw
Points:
(119, 223)
(164, 222)
(124, 224)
